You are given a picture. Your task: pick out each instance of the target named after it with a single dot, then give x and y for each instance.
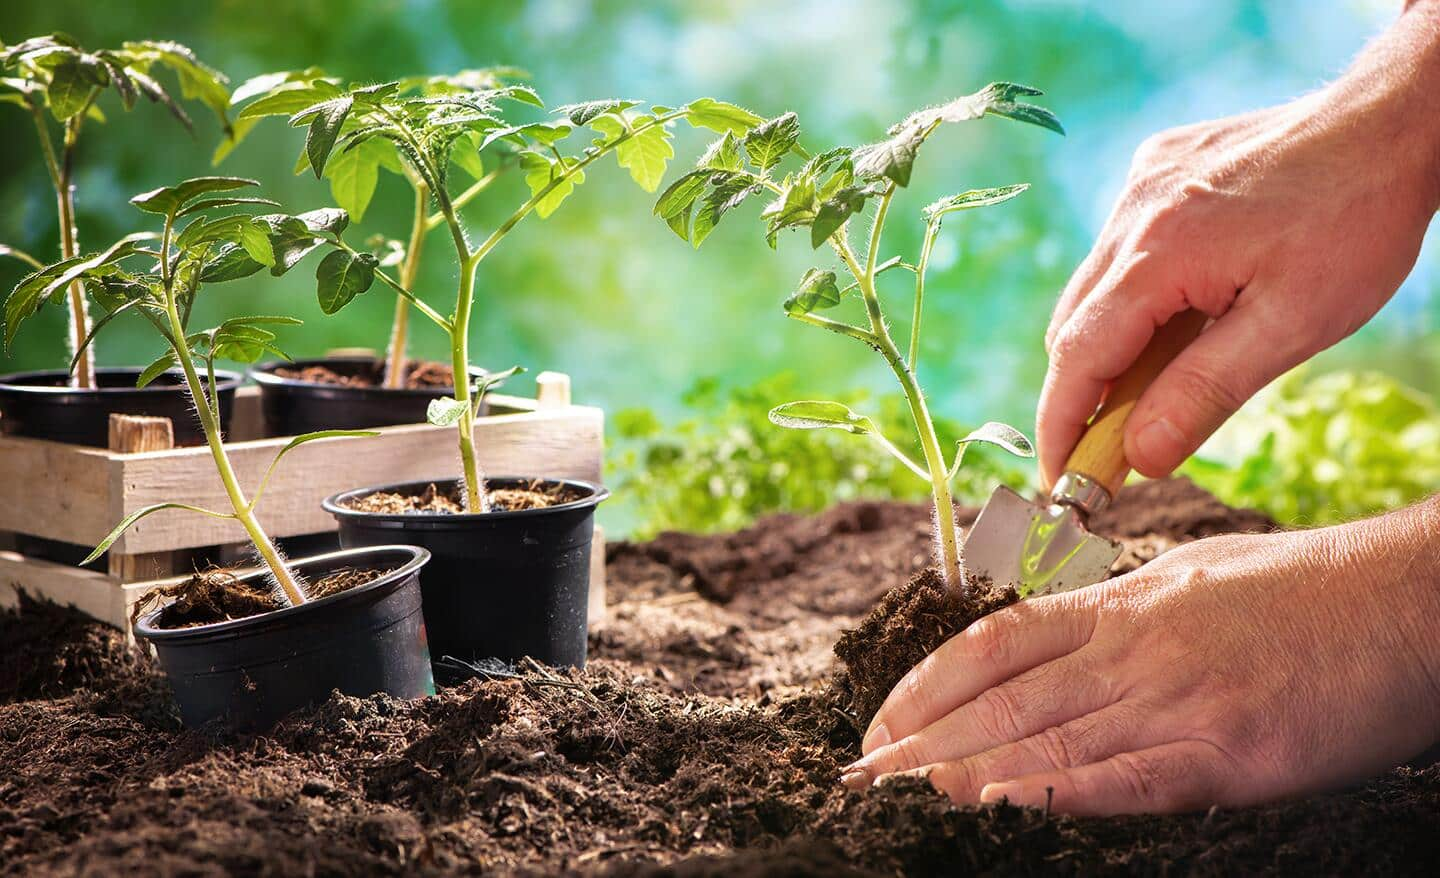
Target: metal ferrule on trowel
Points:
(1045, 547)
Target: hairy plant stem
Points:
(400, 328)
(932, 231)
(946, 534)
(62, 175)
(210, 423)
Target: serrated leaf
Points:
(70, 89)
(892, 158)
(354, 174)
(728, 192)
(972, 199)
(645, 154)
(540, 172)
(820, 415)
(446, 411)
(197, 81)
(584, 113)
(722, 155)
(325, 121)
(256, 243)
(546, 133)
(795, 206)
(835, 210)
(290, 98)
(33, 289)
(721, 116)
(675, 204)
(465, 153)
(169, 199)
(997, 99)
(767, 143)
(341, 276)
(818, 290)
(217, 203)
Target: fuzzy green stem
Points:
(476, 499)
(83, 375)
(932, 230)
(400, 329)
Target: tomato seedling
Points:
(53, 78)
(822, 196)
(159, 278)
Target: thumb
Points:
(1207, 383)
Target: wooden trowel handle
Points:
(1100, 453)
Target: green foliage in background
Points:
(724, 463)
(1319, 449)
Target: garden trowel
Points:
(1044, 547)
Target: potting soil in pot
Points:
(705, 735)
(218, 596)
(418, 375)
(537, 495)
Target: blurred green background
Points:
(604, 291)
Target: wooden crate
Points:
(75, 494)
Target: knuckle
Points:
(1056, 747)
(1207, 389)
(990, 640)
(998, 714)
(905, 754)
(1138, 776)
(955, 779)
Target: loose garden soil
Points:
(434, 500)
(703, 739)
(418, 375)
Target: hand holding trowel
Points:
(1042, 548)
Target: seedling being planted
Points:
(159, 278)
(823, 196)
(354, 172)
(58, 83)
(430, 132)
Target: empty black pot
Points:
(291, 406)
(42, 405)
(500, 584)
(250, 672)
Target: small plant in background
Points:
(58, 83)
(724, 464)
(1314, 450)
(354, 173)
(426, 132)
(216, 244)
(822, 196)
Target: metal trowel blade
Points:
(1036, 548)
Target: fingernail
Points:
(1008, 790)
(855, 779)
(877, 737)
(1159, 441)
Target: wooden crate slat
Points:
(94, 594)
(57, 491)
(561, 442)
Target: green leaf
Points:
(465, 153)
(293, 241)
(675, 204)
(289, 99)
(997, 99)
(255, 240)
(70, 89)
(296, 443)
(168, 200)
(835, 210)
(646, 153)
(818, 290)
(720, 116)
(767, 143)
(819, 415)
(540, 171)
(993, 433)
(893, 158)
(341, 276)
(445, 411)
(585, 113)
(325, 120)
(354, 174)
(971, 199)
(491, 380)
(224, 201)
(164, 363)
(795, 206)
(197, 81)
(722, 155)
(33, 289)
(730, 191)
(138, 514)
(545, 133)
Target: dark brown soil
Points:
(418, 375)
(212, 596)
(434, 500)
(700, 741)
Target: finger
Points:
(1227, 364)
(1086, 276)
(1168, 779)
(1046, 697)
(1103, 337)
(991, 651)
(1089, 738)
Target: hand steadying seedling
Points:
(54, 78)
(354, 173)
(216, 244)
(823, 195)
(428, 132)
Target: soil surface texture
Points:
(704, 738)
(418, 375)
(218, 596)
(447, 501)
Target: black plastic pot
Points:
(500, 584)
(291, 406)
(250, 672)
(42, 405)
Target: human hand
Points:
(1290, 226)
(1228, 671)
